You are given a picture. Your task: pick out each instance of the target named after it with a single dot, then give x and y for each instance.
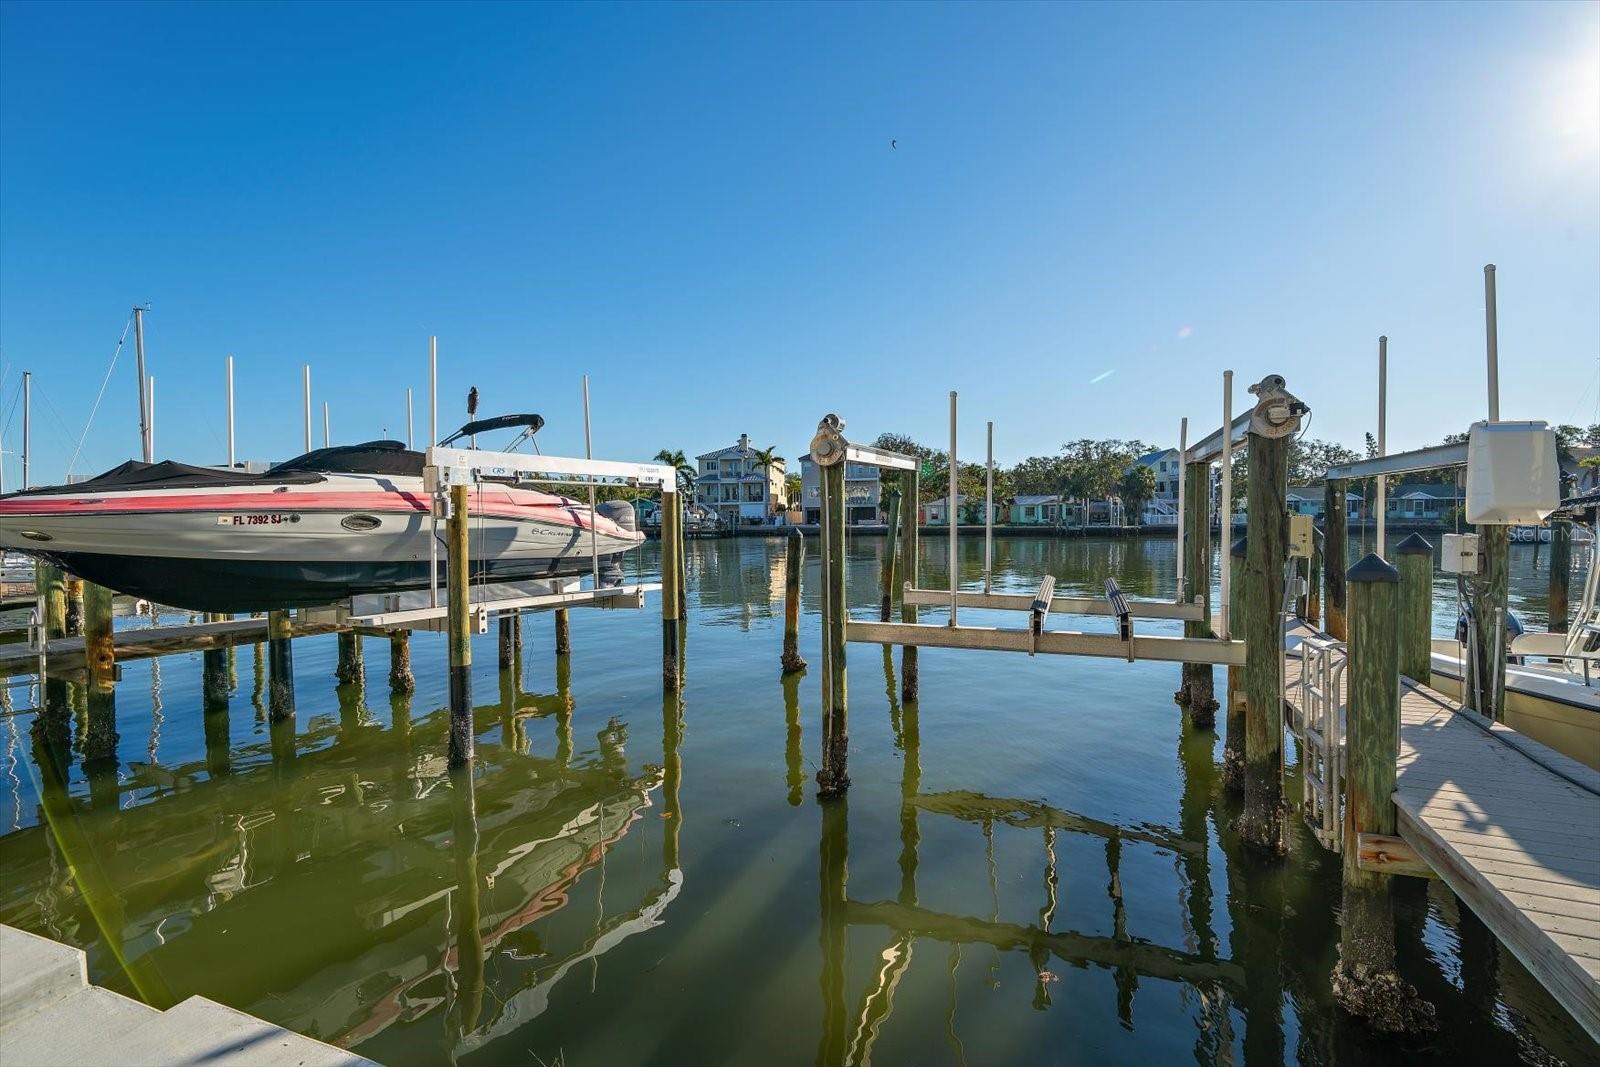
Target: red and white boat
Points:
(331, 524)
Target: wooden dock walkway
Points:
(1510, 825)
(65, 654)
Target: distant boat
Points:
(331, 524)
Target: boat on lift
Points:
(317, 529)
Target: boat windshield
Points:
(370, 457)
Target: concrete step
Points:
(35, 972)
(87, 1027)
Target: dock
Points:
(1510, 825)
(67, 653)
(50, 1014)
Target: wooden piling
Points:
(1490, 607)
(1364, 980)
(909, 481)
(1233, 740)
(1262, 824)
(401, 680)
(671, 562)
(1560, 572)
(1335, 549)
(564, 629)
(350, 669)
(51, 584)
(1414, 559)
(506, 646)
(460, 625)
(793, 566)
(74, 606)
(833, 777)
(100, 659)
(887, 576)
(1198, 691)
(280, 667)
(215, 685)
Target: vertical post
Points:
(327, 435)
(74, 606)
(150, 430)
(214, 688)
(793, 565)
(232, 460)
(1199, 687)
(27, 425)
(1313, 612)
(988, 519)
(1180, 527)
(100, 659)
(433, 439)
(1335, 549)
(1383, 448)
(1225, 508)
(1491, 329)
(280, 667)
(1490, 606)
(671, 563)
(564, 628)
(1262, 823)
(833, 777)
(588, 453)
(401, 680)
(1414, 559)
(1364, 981)
(1560, 572)
(886, 602)
(506, 647)
(408, 418)
(146, 447)
(1233, 744)
(51, 586)
(350, 668)
(305, 384)
(951, 505)
(457, 553)
(909, 530)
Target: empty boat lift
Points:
(832, 451)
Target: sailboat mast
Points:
(146, 445)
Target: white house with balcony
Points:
(1162, 508)
(732, 483)
(863, 492)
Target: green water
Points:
(1035, 865)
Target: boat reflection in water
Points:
(344, 882)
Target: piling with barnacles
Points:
(401, 680)
(510, 640)
(1262, 823)
(215, 683)
(794, 563)
(100, 659)
(350, 668)
(833, 777)
(280, 667)
(1491, 607)
(564, 632)
(1233, 740)
(1364, 981)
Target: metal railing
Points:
(1317, 718)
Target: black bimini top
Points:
(371, 457)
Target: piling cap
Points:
(1372, 568)
(1414, 545)
(1238, 548)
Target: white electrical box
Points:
(1300, 534)
(1459, 554)
(1512, 475)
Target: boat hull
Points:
(298, 546)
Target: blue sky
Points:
(701, 208)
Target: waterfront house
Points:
(1306, 500)
(969, 510)
(732, 483)
(863, 492)
(1424, 502)
(1037, 510)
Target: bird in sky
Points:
(893, 145)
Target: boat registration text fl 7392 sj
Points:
(331, 524)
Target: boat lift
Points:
(830, 448)
(444, 467)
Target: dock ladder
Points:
(1319, 723)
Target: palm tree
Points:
(792, 488)
(675, 459)
(766, 459)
